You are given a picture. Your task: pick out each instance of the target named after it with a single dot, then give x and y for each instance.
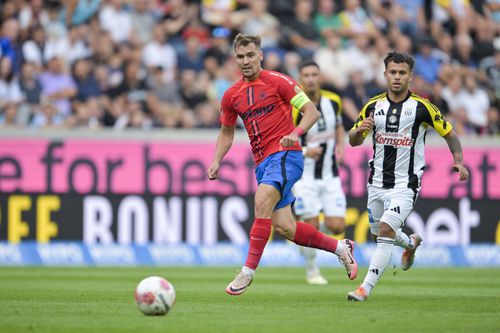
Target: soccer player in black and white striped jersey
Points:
(398, 120)
(319, 188)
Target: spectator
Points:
(326, 21)
(8, 115)
(85, 80)
(58, 87)
(355, 20)
(334, 62)
(10, 91)
(143, 21)
(256, 20)
(192, 58)
(77, 12)
(493, 121)
(219, 50)
(476, 103)
(32, 91)
(33, 48)
(354, 97)
(427, 66)
(158, 53)
(192, 94)
(47, 116)
(116, 20)
(411, 17)
(301, 34)
(365, 56)
(9, 42)
(207, 115)
(490, 70)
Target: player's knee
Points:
(336, 226)
(386, 231)
(263, 207)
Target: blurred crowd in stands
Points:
(153, 63)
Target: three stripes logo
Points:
(381, 112)
(396, 209)
(374, 271)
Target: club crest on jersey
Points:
(393, 119)
(394, 111)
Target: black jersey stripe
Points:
(412, 177)
(391, 152)
(335, 169)
(318, 165)
(283, 172)
(369, 110)
(248, 96)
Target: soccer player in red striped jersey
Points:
(263, 100)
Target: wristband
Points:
(299, 131)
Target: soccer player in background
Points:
(399, 120)
(320, 188)
(263, 99)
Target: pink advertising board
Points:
(137, 167)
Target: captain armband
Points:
(299, 100)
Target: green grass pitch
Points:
(73, 300)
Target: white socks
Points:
(248, 271)
(340, 247)
(378, 263)
(309, 254)
(403, 240)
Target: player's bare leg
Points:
(266, 198)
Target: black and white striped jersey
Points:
(399, 138)
(322, 134)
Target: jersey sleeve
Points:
(365, 113)
(228, 115)
(287, 87)
(436, 119)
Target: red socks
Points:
(307, 235)
(259, 234)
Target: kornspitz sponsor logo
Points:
(393, 139)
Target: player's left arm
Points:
(289, 90)
(339, 143)
(439, 123)
(456, 151)
(309, 116)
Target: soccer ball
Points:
(155, 296)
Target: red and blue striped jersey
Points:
(264, 106)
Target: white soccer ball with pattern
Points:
(155, 296)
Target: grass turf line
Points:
(38, 299)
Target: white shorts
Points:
(314, 196)
(392, 206)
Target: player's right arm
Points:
(224, 143)
(362, 127)
(226, 135)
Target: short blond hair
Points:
(244, 40)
